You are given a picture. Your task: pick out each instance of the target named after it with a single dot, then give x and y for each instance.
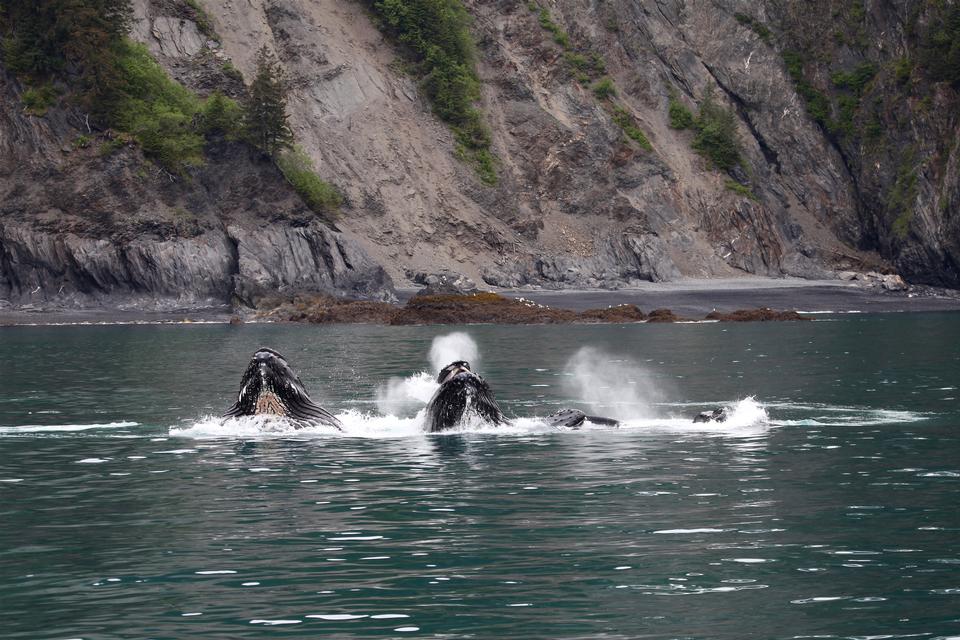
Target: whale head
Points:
(452, 370)
(270, 387)
(461, 390)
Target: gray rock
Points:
(628, 256)
(177, 37)
(894, 282)
(443, 283)
(212, 269)
(65, 270)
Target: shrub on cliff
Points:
(940, 46)
(221, 116)
(604, 89)
(158, 111)
(680, 116)
(36, 100)
(299, 171)
(717, 137)
(436, 35)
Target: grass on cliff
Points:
(298, 169)
(628, 124)
(157, 111)
(559, 35)
(436, 35)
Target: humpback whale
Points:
(462, 391)
(717, 415)
(270, 387)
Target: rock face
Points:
(893, 123)
(79, 228)
(577, 203)
(215, 268)
(837, 175)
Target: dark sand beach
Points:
(696, 298)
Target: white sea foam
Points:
(840, 416)
(746, 418)
(53, 428)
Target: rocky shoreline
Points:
(430, 307)
(459, 301)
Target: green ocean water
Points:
(827, 506)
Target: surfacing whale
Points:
(270, 387)
(717, 415)
(462, 391)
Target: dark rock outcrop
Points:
(756, 315)
(478, 308)
(663, 315)
(619, 314)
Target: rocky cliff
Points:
(80, 228)
(868, 181)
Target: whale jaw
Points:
(270, 387)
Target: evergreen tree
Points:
(717, 136)
(80, 40)
(265, 111)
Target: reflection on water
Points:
(827, 509)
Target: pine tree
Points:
(265, 112)
(79, 40)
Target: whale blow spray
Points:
(452, 347)
(405, 396)
(612, 386)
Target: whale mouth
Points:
(269, 403)
(452, 370)
(461, 391)
(270, 387)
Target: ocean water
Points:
(828, 506)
